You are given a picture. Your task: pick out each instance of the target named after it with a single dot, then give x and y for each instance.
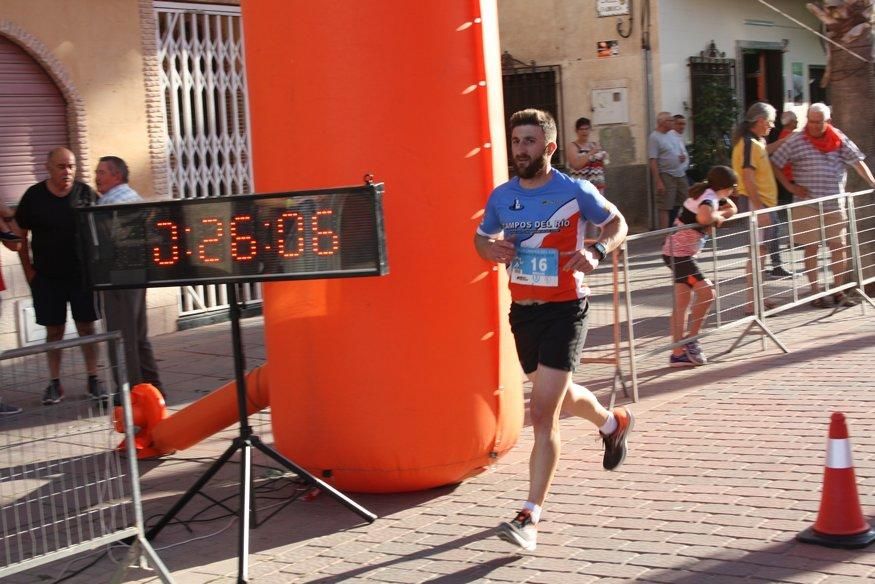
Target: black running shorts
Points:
(551, 334)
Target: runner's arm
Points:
(494, 250)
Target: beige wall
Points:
(98, 43)
(565, 33)
(98, 47)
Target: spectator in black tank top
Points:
(54, 271)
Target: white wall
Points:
(686, 27)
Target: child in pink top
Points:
(708, 203)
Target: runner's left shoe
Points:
(615, 444)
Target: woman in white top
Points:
(708, 203)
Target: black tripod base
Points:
(245, 444)
(309, 478)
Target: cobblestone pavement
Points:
(725, 469)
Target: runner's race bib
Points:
(535, 267)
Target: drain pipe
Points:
(648, 104)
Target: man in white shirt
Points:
(125, 310)
(668, 167)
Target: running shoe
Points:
(779, 272)
(681, 360)
(96, 390)
(842, 299)
(7, 410)
(615, 444)
(521, 531)
(694, 353)
(53, 394)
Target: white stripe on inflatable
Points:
(838, 453)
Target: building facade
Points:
(620, 62)
(160, 84)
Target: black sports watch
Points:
(600, 249)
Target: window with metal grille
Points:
(203, 81)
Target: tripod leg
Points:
(346, 501)
(243, 513)
(192, 491)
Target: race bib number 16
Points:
(535, 267)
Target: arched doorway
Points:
(33, 120)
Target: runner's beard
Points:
(532, 168)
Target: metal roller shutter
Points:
(33, 120)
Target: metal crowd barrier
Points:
(64, 490)
(604, 335)
(744, 300)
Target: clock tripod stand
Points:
(245, 442)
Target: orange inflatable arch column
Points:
(410, 380)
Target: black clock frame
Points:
(117, 245)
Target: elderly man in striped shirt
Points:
(125, 310)
(820, 155)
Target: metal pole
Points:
(245, 435)
(856, 257)
(648, 109)
(630, 327)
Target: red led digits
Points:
(174, 244)
(325, 241)
(246, 240)
(294, 223)
(202, 246)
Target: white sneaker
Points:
(8, 410)
(521, 531)
(694, 351)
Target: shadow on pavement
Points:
(666, 379)
(779, 562)
(285, 512)
(472, 574)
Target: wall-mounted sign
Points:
(612, 7)
(607, 49)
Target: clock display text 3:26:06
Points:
(280, 236)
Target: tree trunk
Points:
(851, 90)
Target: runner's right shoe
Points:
(521, 531)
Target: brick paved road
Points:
(725, 469)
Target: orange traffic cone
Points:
(840, 522)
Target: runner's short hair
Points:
(535, 117)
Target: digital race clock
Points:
(281, 236)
